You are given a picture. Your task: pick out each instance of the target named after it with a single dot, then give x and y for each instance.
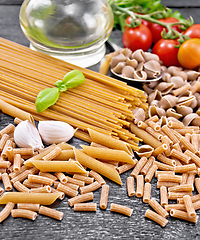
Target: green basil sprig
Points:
(49, 96)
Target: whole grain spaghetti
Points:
(101, 103)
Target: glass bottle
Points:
(72, 30)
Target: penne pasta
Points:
(90, 188)
(108, 154)
(140, 164)
(97, 177)
(58, 166)
(158, 208)
(163, 196)
(29, 206)
(182, 215)
(109, 142)
(22, 197)
(97, 166)
(139, 186)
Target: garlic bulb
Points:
(27, 135)
(55, 131)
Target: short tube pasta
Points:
(156, 217)
(121, 209)
(24, 213)
(130, 186)
(80, 198)
(104, 196)
(6, 211)
(53, 213)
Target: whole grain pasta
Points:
(86, 207)
(139, 186)
(24, 213)
(121, 209)
(158, 208)
(104, 196)
(53, 213)
(6, 211)
(163, 196)
(130, 186)
(147, 192)
(156, 217)
(29, 206)
(81, 198)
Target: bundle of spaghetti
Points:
(100, 103)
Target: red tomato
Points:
(137, 38)
(193, 31)
(189, 53)
(144, 22)
(166, 51)
(156, 29)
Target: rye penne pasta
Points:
(109, 142)
(156, 217)
(53, 213)
(85, 207)
(51, 155)
(58, 166)
(97, 177)
(81, 198)
(97, 166)
(108, 154)
(104, 196)
(182, 215)
(6, 211)
(63, 146)
(90, 188)
(130, 186)
(147, 192)
(189, 206)
(22, 197)
(163, 196)
(140, 164)
(23, 213)
(121, 209)
(158, 208)
(29, 206)
(67, 190)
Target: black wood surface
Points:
(102, 224)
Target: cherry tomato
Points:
(137, 38)
(156, 29)
(144, 22)
(165, 49)
(189, 53)
(193, 31)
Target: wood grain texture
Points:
(103, 224)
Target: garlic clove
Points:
(55, 131)
(27, 135)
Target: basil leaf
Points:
(73, 79)
(46, 98)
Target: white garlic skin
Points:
(26, 135)
(55, 131)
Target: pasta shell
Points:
(138, 55)
(156, 95)
(168, 101)
(150, 56)
(194, 103)
(147, 89)
(153, 84)
(145, 151)
(192, 75)
(115, 60)
(131, 62)
(152, 68)
(189, 118)
(172, 113)
(165, 87)
(180, 74)
(140, 66)
(118, 68)
(128, 71)
(163, 68)
(153, 110)
(173, 69)
(183, 110)
(154, 103)
(127, 52)
(138, 115)
(140, 75)
(166, 77)
(185, 100)
(177, 81)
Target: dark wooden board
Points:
(102, 224)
